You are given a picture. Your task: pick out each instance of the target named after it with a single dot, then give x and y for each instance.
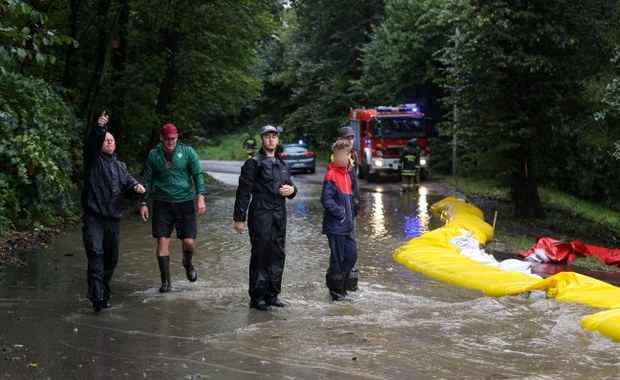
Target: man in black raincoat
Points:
(264, 185)
(106, 184)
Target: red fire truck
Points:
(380, 135)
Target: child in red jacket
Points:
(339, 201)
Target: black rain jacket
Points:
(106, 179)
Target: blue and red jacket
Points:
(338, 199)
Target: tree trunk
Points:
(524, 189)
(68, 74)
(92, 94)
(166, 88)
(119, 63)
(172, 42)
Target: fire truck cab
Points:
(380, 135)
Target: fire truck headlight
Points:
(422, 162)
(378, 162)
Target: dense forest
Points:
(528, 91)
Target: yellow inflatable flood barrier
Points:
(434, 255)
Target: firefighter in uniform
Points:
(250, 145)
(264, 186)
(410, 165)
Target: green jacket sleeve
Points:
(197, 174)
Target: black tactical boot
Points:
(275, 301)
(164, 269)
(259, 304)
(190, 271)
(352, 278)
(336, 287)
(101, 304)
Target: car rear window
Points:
(295, 149)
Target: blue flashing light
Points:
(403, 108)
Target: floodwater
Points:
(400, 325)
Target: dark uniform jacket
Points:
(106, 179)
(259, 184)
(410, 158)
(339, 200)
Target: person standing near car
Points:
(264, 186)
(106, 184)
(172, 171)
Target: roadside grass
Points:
(551, 199)
(209, 180)
(230, 147)
(579, 207)
(510, 242)
(322, 157)
(565, 213)
(594, 263)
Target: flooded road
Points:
(400, 325)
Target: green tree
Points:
(522, 65)
(26, 36)
(401, 64)
(324, 60)
(39, 162)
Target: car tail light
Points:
(284, 155)
(309, 154)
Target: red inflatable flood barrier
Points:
(558, 251)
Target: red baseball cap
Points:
(169, 131)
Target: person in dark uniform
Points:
(264, 186)
(250, 145)
(410, 165)
(106, 184)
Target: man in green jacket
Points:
(172, 170)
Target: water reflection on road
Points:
(400, 324)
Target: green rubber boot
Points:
(164, 269)
(190, 271)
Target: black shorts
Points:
(170, 215)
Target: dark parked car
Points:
(299, 157)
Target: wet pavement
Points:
(400, 325)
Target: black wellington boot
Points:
(336, 287)
(352, 278)
(164, 269)
(190, 271)
(260, 304)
